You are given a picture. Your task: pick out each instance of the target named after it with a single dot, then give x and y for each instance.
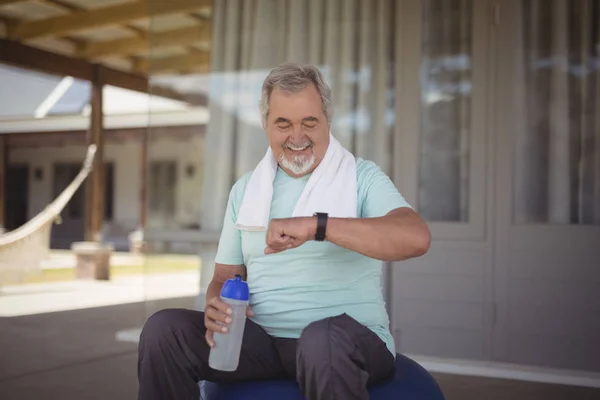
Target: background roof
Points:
(115, 33)
(41, 95)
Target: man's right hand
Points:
(217, 310)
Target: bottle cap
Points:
(236, 289)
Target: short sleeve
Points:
(229, 251)
(376, 191)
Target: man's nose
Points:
(296, 132)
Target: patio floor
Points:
(60, 341)
(74, 355)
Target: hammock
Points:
(23, 249)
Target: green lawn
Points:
(152, 264)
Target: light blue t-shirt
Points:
(291, 289)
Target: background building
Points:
(46, 141)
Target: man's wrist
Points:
(311, 223)
(321, 229)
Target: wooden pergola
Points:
(106, 42)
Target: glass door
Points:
(442, 302)
(547, 147)
(444, 98)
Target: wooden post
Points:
(136, 238)
(93, 256)
(3, 164)
(95, 184)
(143, 180)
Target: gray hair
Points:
(293, 77)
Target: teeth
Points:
(297, 148)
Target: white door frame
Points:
(477, 231)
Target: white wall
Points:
(189, 189)
(126, 159)
(440, 301)
(40, 192)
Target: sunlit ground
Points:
(133, 278)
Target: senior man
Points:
(308, 229)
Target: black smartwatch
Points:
(321, 226)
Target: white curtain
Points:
(446, 65)
(557, 174)
(350, 40)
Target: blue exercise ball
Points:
(410, 382)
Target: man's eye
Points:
(310, 126)
(283, 127)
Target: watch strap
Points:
(321, 226)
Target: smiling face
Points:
(297, 129)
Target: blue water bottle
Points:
(225, 356)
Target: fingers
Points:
(292, 243)
(220, 305)
(216, 315)
(209, 338)
(276, 237)
(212, 326)
(215, 320)
(277, 244)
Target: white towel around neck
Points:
(331, 189)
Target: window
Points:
(65, 173)
(557, 170)
(109, 191)
(443, 186)
(163, 184)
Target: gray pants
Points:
(334, 359)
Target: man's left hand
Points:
(289, 233)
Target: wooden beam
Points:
(101, 17)
(59, 4)
(196, 61)
(31, 58)
(72, 8)
(132, 46)
(95, 184)
(193, 99)
(22, 140)
(118, 135)
(7, 2)
(143, 180)
(125, 80)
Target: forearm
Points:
(213, 289)
(400, 235)
(221, 274)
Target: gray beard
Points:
(299, 165)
